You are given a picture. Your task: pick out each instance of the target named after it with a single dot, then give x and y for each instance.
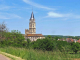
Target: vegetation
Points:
(61, 36)
(75, 47)
(43, 44)
(31, 54)
(48, 48)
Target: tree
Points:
(49, 37)
(3, 30)
(67, 48)
(14, 38)
(76, 37)
(44, 44)
(28, 43)
(3, 27)
(75, 47)
(61, 45)
(56, 38)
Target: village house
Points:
(71, 40)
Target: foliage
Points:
(75, 47)
(31, 54)
(56, 38)
(28, 43)
(3, 30)
(44, 44)
(13, 38)
(61, 36)
(49, 37)
(16, 39)
(61, 45)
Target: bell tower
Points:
(32, 24)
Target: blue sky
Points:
(53, 17)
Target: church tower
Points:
(31, 33)
(32, 24)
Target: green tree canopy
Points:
(75, 47)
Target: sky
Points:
(53, 17)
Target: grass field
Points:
(31, 54)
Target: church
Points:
(31, 33)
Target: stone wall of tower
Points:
(32, 26)
(26, 32)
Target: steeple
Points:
(32, 15)
(32, 24)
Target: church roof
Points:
(32, 16)
(35, 35)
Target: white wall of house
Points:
(34, 38)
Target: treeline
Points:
(50, 45)
(61, 36)
(13, 38)
(16, 39)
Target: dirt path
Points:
(76, 59)
(2, 57)
(11, 56)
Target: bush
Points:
(13, 38)
(75, 47)
(44, 44)
(28, 43)
(61, 45)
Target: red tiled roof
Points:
(35, 35)
(70, 40)
(78, 41)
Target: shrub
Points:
(61, 45)
(75, 47)
(44, 44)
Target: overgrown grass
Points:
(31, 54)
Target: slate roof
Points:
(32, 16)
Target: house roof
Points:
(34, 35)
(70, 40)
(78, 41)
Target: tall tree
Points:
(3, 30)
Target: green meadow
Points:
(31, 54)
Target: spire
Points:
(32, 15)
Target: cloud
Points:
(37, 5)
(3, 7)
(53, 14)
(9, 16)
(65, 16)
